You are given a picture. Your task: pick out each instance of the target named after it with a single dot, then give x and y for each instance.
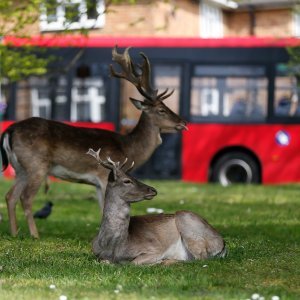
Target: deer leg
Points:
(47, 185)
(100, 197)
(200, 239)
(167, 262)
(150, 259)
(147, 259)
(12, 198)
(100, 189)
(27, 196)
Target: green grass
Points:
(261, 226)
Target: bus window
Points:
(245, 98)
(40, 99)
(49, 98)
(286, 100)
(204, 97)
(88, 94)
(231, 94)
(38, 91)
(88, 100)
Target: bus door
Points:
(223, 99)
(166, 160)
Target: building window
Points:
(211, 21)
(59, 15)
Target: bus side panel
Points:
(103, 125)
(10, 173)
(4, 125)
(277, 147)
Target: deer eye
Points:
(161, 111)
(127, 181)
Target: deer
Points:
(37, 147)
(148, 239)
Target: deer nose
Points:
(182, 125)
(152, 191)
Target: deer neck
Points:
(115, 222)
(143, 140)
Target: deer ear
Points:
(112, 176)
(139, 104)
(115, 174)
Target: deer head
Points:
(128, 188)
(152, 105)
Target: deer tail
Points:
(5, 146)
(223, 253)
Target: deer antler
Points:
(140, 79)
(109, 163)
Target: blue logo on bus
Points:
(283, 138)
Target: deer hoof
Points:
(105, 261)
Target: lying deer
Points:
(149, 239)
(37, 147)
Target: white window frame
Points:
(92, 97)
(38, 103)
(84, 23)
(211, 20)
(209, 101)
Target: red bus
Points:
(239, 96)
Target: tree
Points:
(15, 18)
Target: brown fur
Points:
(39, 147)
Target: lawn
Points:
(261, 226)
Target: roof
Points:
(226, 3)
(79, 41)
(265, 4)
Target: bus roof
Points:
(79, 41)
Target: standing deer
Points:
(37, 147)
(149, 239)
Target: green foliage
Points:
(259, 223)
(15, 17)
(18, 64)
(294, 53)
(292, 68)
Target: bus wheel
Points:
(235, 167)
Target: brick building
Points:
(175, 18)
(180, 18)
